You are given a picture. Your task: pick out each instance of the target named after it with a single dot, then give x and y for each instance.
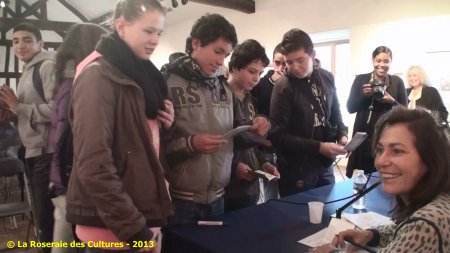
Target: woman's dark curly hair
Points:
(432, 143)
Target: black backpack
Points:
(65, 151)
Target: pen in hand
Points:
(358, 245)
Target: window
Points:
(335, 57)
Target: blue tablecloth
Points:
(270, 227)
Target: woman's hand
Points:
(387, 99)
(367, 89)
(358, 236)
(166, 117)
(326, 248)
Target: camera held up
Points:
(378, 88)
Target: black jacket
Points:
(245, 151)
(362, 158)
(431, 100)
(262, 93)
(292, 118)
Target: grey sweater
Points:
(33, 113)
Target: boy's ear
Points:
(41, 44)
(196, 44)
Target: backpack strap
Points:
(37, 80)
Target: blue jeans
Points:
(38, 169)
(188, 211)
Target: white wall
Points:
(411, 28)
(274, 17)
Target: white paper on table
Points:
(326, 235)
(367, 220)
(315, 240)
(336, 226)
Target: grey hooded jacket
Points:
(33, 113)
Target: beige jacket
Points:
(34, 114)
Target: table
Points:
(270, 227)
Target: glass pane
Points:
(323, 53)
(344, 80)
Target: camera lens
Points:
(377, 89)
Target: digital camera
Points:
(377, 88)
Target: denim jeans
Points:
(38, 169)
(188, 211)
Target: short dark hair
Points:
(174, 56)
(209, 28)
(29, 27)
(296, 39)
(133, 9)
(381, 49)
(276, 50)
(247, 52)
(432, 144)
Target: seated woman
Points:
(412, 157)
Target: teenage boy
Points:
(246, 65)
(32, 107)
(263, 91)
(199, 157)
(307, 119)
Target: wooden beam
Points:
(9, 75)
(246, 6)
(74, 10)
(7, 57)
(7, 11)
(101, 19)
(43, 9)
(57, 26)
(5, 42)
(31, 10)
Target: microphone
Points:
(360, 195)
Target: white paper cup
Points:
(315, 212)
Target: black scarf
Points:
(186, 67)
(143, 72)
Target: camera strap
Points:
(387, 82)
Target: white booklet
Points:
(356, 141)
(264, 175)
(236, 131)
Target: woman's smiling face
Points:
(398, 161)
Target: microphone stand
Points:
(360, 195)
